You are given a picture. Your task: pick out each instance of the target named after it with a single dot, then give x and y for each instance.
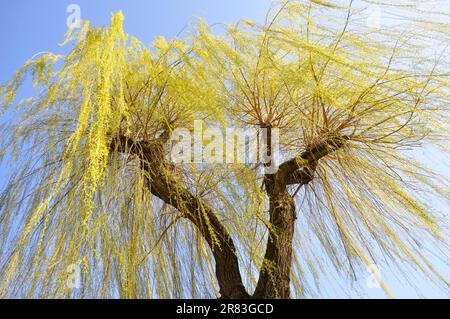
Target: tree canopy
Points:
(93, 186)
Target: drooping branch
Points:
(165, 187)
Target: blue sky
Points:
(28, 27)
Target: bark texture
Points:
(275, 271)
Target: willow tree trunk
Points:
(275, 272)
(274, 276)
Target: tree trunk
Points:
(222, 246)
(169, 190)
(274, 278)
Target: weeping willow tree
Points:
(92, 184)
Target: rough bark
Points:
(165, 187)
(274, 279)
(222, 246)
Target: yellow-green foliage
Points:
(312, 69)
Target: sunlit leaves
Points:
(313, 69)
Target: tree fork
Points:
(274, 277)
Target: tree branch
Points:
(275, 271)
(300, 169)
(165, 187)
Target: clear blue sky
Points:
(28, 27)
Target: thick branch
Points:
(300, 169)
(193, 208)
(274, 277)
